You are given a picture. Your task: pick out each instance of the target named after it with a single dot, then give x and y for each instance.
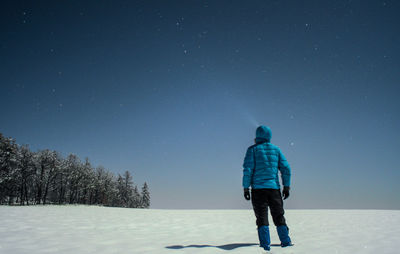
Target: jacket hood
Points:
(263, 133)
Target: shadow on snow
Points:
(230, 246)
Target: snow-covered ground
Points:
(88, 229)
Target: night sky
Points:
(174, 90)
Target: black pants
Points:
(261, 199)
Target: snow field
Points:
(90, 229)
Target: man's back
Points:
(262, 163)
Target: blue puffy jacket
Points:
(262, 162)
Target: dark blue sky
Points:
(173, 92)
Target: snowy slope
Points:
(83, 229)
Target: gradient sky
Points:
(173, 92)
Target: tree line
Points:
(45, 177)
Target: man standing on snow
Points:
(260, 172)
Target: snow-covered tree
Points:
(74, 176)
(125, 196)
(145, 196)
(8, 170)
(43, 177)
(137, 199)
(85, 185)
(46, 171)
(27, 174)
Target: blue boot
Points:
(283, 233)
(263, 236)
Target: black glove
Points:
(247, 194)
(285, 192)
